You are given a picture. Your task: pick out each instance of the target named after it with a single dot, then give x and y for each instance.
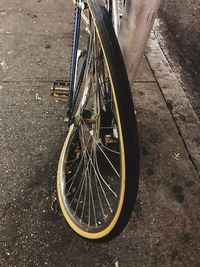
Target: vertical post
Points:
(138, 19)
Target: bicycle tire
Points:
(128, 140)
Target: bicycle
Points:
(97, 179)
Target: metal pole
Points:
(138, 19)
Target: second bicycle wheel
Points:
(97, 177)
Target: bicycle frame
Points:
(74, 61)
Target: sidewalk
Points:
(35, 41)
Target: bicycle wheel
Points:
(97, 178)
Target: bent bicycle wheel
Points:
(98, 170)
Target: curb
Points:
(181, 110)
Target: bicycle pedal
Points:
(60, 89)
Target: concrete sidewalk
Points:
(35, 41)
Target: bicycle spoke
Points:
(102, 151)
(101, 184)
(75, 175)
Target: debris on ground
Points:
(176, 156)
(37, 97)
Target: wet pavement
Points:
(35, 41)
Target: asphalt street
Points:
(179, 33)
